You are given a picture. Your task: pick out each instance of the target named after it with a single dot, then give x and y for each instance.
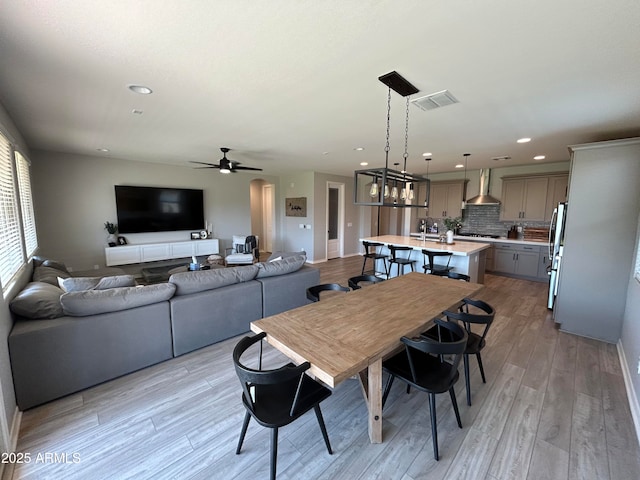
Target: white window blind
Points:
(26, 205)
(11, 253)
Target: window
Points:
(18, 238)
(26, 205)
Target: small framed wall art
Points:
(296, 207)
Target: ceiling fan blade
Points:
(248, 168)
(209, 165)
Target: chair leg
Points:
(364, 263)
(484, 380)
(454, 402)
(467, 381)
(434, 424)
(386, 389)
(408, 388)
(323, 429)
(274, 452)
(243, 432)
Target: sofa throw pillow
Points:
(93, 302)
(281, 267)
(76, 284)
(49, 275)
(55, 264)
(199, 281)
(282, 255)
(38, 300)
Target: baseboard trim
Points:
(631, 393)
(6, 470)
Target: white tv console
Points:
(151, 252)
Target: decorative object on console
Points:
(296, 207)
(195, 235)
(112, 229)
(122, 241)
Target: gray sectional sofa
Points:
(65, 341)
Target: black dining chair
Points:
(422, 365)
(480, 313)
(313, 293)
(275, 398)
(400, 262)
(457, 276)
(435, 269)
(371, 252)
(354, 282)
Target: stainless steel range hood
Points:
(484, 198)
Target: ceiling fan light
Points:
(224, 170)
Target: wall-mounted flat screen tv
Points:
(153, 209)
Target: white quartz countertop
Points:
(459, 247)
(488, 239)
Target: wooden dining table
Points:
(348, 334)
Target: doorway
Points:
(335, 220)
(268, 220)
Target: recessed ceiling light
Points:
(427, 154)
(102, 149)
(141, 89)
(359, 149)
(523, 140)
(460, 165)
(364, 164)
(539, 157)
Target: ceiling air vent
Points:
(435, 100)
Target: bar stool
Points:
(374, 255)
(430, 266)
(401, 262)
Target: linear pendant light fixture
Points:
(367, 190)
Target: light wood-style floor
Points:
(554, 407)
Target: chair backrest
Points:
(354, 281)
(393, 249)
(287, 374)
(430, 254)
(452, 343)
(468, 316)
(371, 245)
(245, 244)
(313, 293)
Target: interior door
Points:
(333, 217)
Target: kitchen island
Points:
(468, 257)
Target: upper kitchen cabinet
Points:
(558, 186)
(445, 199)
(524, 198)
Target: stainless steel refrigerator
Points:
(556, 249)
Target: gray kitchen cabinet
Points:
(520, 260)
(445, 199)
(544, 264)
(524, 198)
(557, 192)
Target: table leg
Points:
(375, 401)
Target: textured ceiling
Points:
(292, 84)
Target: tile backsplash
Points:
(486, 219)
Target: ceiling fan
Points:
(226, 165)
